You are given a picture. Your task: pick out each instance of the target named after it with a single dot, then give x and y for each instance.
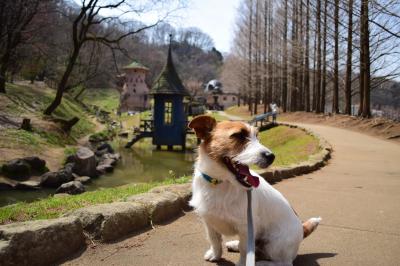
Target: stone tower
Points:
(134, 92)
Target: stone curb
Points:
(315, 161)
(41, 242)
(45, 242)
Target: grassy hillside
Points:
(105, 98)
(28, 101)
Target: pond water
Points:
(141, 163)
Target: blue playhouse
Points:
(168, 126)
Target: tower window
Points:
(167, 112)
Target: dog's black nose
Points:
(270, 157)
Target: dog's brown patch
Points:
(227, 139)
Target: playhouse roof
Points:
(168, 82)
(136, 65)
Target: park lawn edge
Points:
(55, 206)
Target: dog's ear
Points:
(202, 125)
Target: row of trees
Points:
(69, 44)
(314, 55)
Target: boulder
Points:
(73, 188)
(6, 183)
(70, 159)
(16, 169)
(111, 221)
(104, 168)
(56, 179)
(82, 179)
(160, 206)
(184, 191)
(69, 167)
(42, 242)
(29, 184)
(38, 166)
(108, 161)
(85, 163)
(107, 147)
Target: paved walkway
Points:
(357, 194)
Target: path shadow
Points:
(224, 262)
(311, 259)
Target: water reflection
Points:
(142, 163)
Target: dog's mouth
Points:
(242, 173)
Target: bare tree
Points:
(349, 58)
(15, 17)
(85, 28)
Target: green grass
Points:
(20, 139)
(241, 111)
(290, 145)
(53, 207)
(24, 100)
(105, 98)
(217, 116)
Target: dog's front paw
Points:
(211, 255)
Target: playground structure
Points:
(168, 125)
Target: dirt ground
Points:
(378, 127)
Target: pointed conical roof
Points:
(168, 82)
(136, 65)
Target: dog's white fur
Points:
(223, 207)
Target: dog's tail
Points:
(310, 225)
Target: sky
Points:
(214, 17)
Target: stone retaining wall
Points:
(45, 242)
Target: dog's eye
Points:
(241, 135)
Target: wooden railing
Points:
(146, 125)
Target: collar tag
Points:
(211, 180)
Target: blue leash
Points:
(250, 257)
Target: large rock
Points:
(17, 169)
(108, 222)
(56, 179)
(184, 191)
(85, 163)
(73, 188)
(103, 149)
(104, 167)
(6, 183)
(160, 206)
(82, 179)
(42, 242)
(29, 184)
(38, 166)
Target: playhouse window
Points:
(168, 113)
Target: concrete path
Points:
(357, 194)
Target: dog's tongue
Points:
(251, 179)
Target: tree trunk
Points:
(335, 103)
(318, 79)
(2, 83)
(265, 52)
(3, 71)
(249, 77)
(325, 38)
(349, 59)
(365, 70)
(293, 85)
(270, 61)
(307, 60)
(256, 56)
(63, 83)
(285, 63)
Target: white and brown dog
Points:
(221, 178)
